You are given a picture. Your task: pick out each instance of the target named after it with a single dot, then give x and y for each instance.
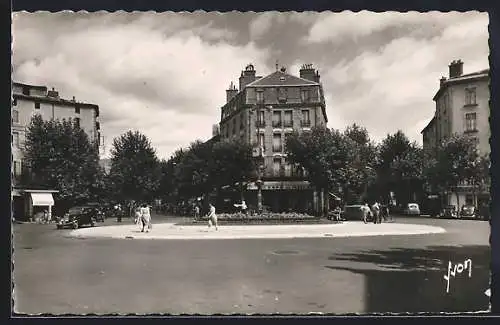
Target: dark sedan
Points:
(468, 211)
(77, 217)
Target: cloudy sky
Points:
(166, 74)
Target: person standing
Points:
(212, 217)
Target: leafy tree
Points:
(324, 154)
(135, 171)
(360, 169)
(60, 155)
(205, 167)
(458, 163)
(399, 166)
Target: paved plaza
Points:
(57, 272)
(172, 231)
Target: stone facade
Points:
(28, 100)
(462, 107)
(262, 112)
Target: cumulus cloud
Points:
(171, 87)
(165, 74)
(392, 87)
(335, 27)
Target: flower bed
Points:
(266, 218)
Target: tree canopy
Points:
(61, 156)
(135, 172)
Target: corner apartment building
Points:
(262, 111)
(28, 100)
(462, 107)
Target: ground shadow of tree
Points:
(411, 280)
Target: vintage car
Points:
(78, 216)
(354, 212)
(99, 211)
(449, 211)
(412, 209)
(468, 211)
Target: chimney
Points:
(442, 81)
(456, 68)
(215, 130)
(53, 93)
(247, 76)
(308, 72)
(231, 92)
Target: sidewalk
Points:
(172, 231)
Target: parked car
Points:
(449, 211)
(99, 211)
(412, 209)
(468, 211)
(78, 216)
(353, 212)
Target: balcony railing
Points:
(288, 124)
(305, 123)
(277, 124)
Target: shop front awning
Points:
(42, 199)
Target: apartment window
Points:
(15, 116)
(260, 118)
(277, 146)
(306, 120)
(261, 140)
(17, 167)
(470, 122)
(77, 109)
(288, 170)
(37, 105)
(26, 91)
(276, 166)
(287, 120)
(282, 94)
(470, 96)
(77, 121)
(277, 119)
(15, 139)
(304, 95)
(260, 96)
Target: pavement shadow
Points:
(411, 280)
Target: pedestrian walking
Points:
(243, 206)
(212, 217)
(146, 218)
(137, 216)
(196, 212)
(376, 212)
(365, 211)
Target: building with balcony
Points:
(28, 100)
(462, 107)
(263, 111)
